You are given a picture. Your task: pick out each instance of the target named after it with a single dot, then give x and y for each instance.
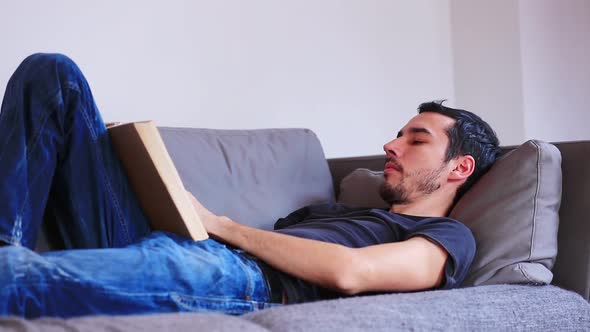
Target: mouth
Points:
(392, 165)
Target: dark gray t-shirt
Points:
(361, 227)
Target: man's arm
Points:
(409, 265)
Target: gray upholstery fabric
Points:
(251, 176)
(143, 323)
(512, 212)
(342, 167)
(482, 308)
(572, 266)
(360, 189)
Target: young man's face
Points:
(416, 157)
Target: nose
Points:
(392, 148)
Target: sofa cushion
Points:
(485, 308)
(512, 211)
(360, 188)
(251, 176)
(132, 323)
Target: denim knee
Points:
(40, 60)
(47, 72)
(46, 79)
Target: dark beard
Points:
(393, 194)
(399, 194)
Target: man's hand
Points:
(211, 221)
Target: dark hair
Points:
(469, 136)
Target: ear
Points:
(464, 167)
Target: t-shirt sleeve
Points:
(457, 240)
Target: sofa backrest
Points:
(251, 176)
(572, 265)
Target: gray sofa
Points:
(257, 176)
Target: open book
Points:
(155, 180)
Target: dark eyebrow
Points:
(416, 130)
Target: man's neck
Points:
(431, 206)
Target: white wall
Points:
(353, 71)
(555, 46)
(524, 65)
(486, 62)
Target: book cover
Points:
(155, 180)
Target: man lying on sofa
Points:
(56, 162)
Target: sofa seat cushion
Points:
(252, 176)
(482, 308)
(133, 323)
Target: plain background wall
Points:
(487, 66)
(352, 71)
(555, 47)
(524, 65)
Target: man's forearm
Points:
(325, 264)
(413, 264)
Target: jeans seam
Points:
(10, 238)
(106, 179)
(2, 115)
(18, 223)
(250, 283)
(186, 301)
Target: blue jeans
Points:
(57, 166)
